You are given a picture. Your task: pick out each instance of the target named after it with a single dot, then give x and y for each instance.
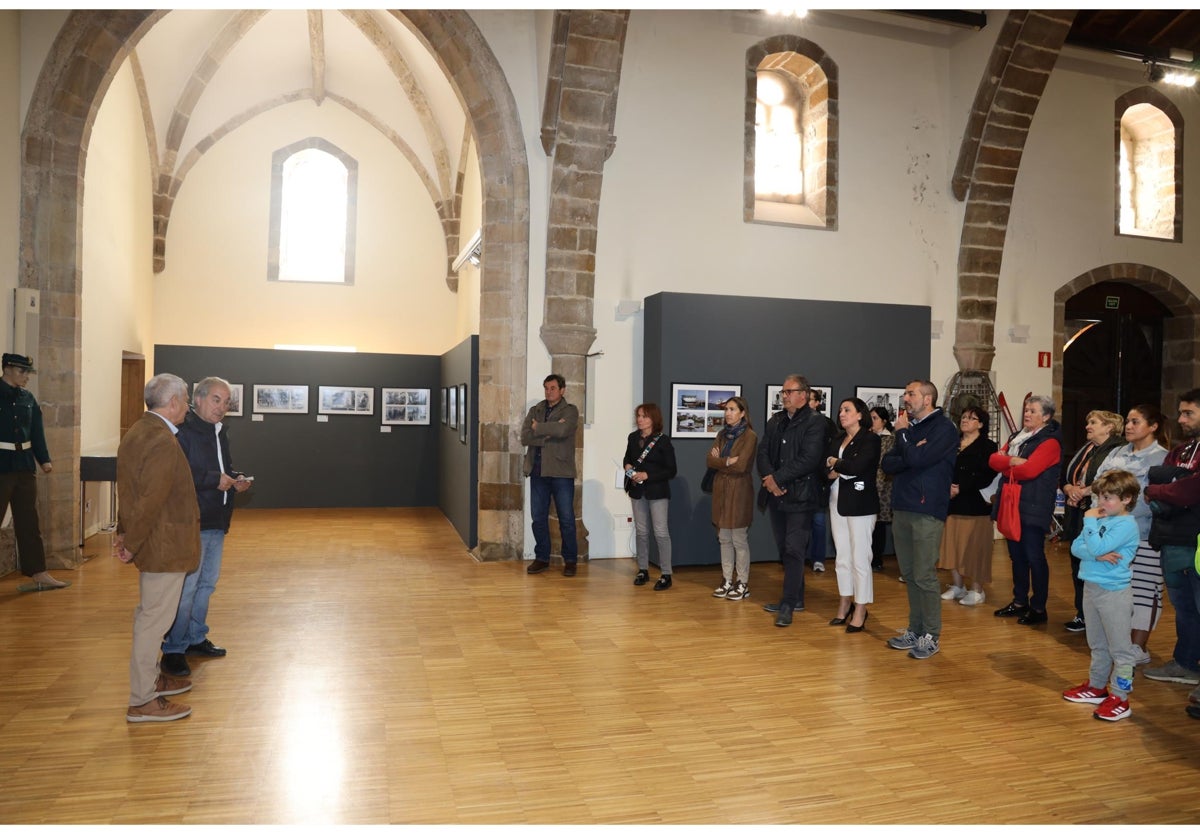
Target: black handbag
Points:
(706, 483)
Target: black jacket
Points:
(1073, 516)
(659, 467)
(198, 439)
(972, 474)
(858, 496)
(793, 451)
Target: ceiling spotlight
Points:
(1154, 73)
(1176, 77)
(782, 12)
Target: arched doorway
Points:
(1140, 347)
(85, 55)
(1113, 354)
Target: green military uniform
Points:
(22, 448)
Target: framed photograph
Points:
(462, 413)
(775, 399)
(405, 406)
(452, 407)
(281, 399)
(445, 403)
(698, 411)
(235, 399)
(343, 399)
(873, 395)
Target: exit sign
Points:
(1043, 358)
(1112, 302)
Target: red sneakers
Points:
(1112, 709)
(1085, 693)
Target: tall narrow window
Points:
(1149, 166)
(312, 214)
(791, 134)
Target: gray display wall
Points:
(344, 462)
(458, 459)
(756, 342)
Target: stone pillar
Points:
(577, 122)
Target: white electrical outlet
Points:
(622, 521)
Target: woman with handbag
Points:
(730, 461)
(649, 468)
(853, 506)
(967, 538)
(1028, 465)
(1105, 432)
(1146, 447)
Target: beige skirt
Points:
(967, 547)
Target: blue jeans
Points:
(1185, 597)
(1030, 568)
(541, 489)
(189, 627)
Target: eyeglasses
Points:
(791, 390)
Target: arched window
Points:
(313, 192)
(791, 134)
(1149, 166)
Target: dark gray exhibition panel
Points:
(755, 342)
(459, 459)
(346, 461)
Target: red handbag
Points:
(1008, 517)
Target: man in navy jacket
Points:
(204, 441)
(921, 463)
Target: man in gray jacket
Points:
(548, 435)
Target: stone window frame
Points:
(821, 170)
(278, 158)
(1148, 96)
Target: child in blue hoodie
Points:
(1106, 548)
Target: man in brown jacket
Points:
(158, 530)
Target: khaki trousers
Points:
(152, 619)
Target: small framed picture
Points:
(405, 406)
(888, 398)
(343, 399)
(463, 415)
(445, 406)
(698, 411)
(281, 399)
(452, 406)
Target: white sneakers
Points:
(972, 598)
(953, 593)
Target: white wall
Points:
(10, 166)
(214, 290)
(117, 270)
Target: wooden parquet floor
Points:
(378, 675)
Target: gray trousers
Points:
(918, 539)
(1108, 614)
(735, 553)
(645, 513)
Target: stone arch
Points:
(1181, 333)
(85, 56)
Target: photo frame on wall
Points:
(344, 399)
(405, 406)
(452, 408)
(775, 399)
(281, 399)
(462, 413)
(235, 399)
(698, 411)
(874, 395)
(445, 403)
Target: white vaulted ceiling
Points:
(203, 73)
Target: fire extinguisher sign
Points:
(1044, 358)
